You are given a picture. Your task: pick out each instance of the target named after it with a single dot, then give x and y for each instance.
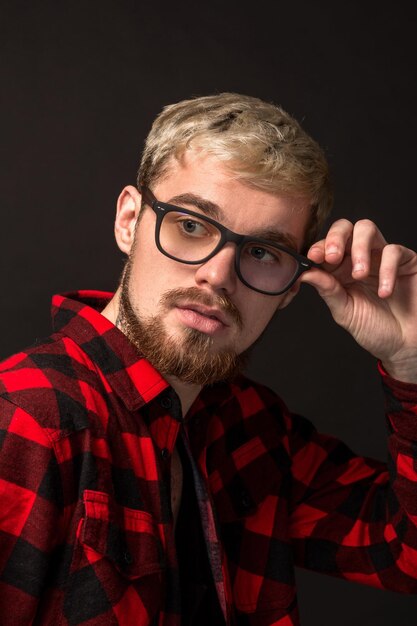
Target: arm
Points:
(30, 499)
(353, 517)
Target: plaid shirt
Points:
(87, 429)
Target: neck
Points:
(186, 392)
(111, 310)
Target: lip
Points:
(206, 311)
(204, 319)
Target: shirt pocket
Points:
(127, 538)
(117, 567)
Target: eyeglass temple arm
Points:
(147, 194)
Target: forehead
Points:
(238, 206)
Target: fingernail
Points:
(358, 267)
(385, 286)
(332, 249)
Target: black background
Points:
(80, 85)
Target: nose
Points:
(219, 271)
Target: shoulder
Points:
(50, 381)
(246, 403)
(249, 404)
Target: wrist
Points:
(404, 370)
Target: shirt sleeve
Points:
(354, 517)
(30, 507)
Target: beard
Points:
(192, 357)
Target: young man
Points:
(143, 479)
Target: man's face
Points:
(203, 312)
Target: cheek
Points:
(145, 282)
(153, 275)
(258, 315)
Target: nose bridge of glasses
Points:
(227, 236)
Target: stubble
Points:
(190, 357)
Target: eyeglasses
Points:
(193, 238)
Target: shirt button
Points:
(245, 500)
(164, 453)
(128, 558)
(166, 402)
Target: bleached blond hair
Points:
(259, 142)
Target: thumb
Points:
(331, 291)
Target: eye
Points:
(264, 255)
(192, 227)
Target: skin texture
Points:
(369, 285)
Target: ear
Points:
(289, 295)
(128, 208)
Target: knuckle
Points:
(394, 248)
(368, 224)
(343, 224)
(339, 231)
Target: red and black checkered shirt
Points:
(87, 429)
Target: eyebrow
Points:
(211, 209)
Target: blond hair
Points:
(261, 144)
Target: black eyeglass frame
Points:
(226, 235)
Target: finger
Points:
(331, 290)
(366, 239)
(392, 257)
(332, 248)
(316, 251)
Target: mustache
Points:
(193, 294)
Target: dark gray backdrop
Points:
(81, 83)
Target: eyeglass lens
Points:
(191, 239)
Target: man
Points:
(143, 479)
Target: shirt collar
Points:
(77, 315)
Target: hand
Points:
(370, 288)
